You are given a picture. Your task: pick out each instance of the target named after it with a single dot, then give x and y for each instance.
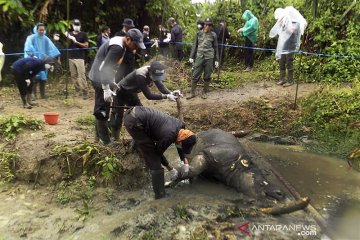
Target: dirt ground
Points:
(203, 210)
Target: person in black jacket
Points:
(25, 69)
(102, 74)
(176, 39)
(103, 37)
(153, 132)
(139, 80)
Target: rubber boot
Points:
(158, 183)
(103, 131)
(33, 94)
(290, 80)
(42, 89)
(282, 77)
(205, 89)
(193, 90)
(25, 103)
(29, 101)
(115, 133)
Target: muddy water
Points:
(333, 187)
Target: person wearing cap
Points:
(25, 69)
(204, 51)
(249, 32)
(129, 59)
(102, 75)
(39, 45)
(153, 132)
(140, 80)
(77, 40)
(127, 24)
(176, 39)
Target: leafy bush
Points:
(11, 125)
(6, 162)
(329, 113)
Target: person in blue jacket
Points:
(25, 69)
(40, 46)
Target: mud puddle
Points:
(331, 184)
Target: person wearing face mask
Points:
(102, 75)
(25, 69)
(77, 41)
(40, 46)
(153, 132)
(58, 44)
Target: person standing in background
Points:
(2, 59)
(103, 37)
(205, 52)
(223, 35)
(290, 25)
(176, 39)
(249, 32)
(77, 41)
(40, 46)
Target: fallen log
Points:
(287, 208)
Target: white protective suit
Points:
(289, 20)
(2, 59)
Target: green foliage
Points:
(86, 120)
(80, 189)
(329, 113)
(111, 167)
(149, 235)
(92, 158)
(181, 212)
(7, 161)
(11, 125)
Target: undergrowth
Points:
(332, 114)
(11, 125)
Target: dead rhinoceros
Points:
(219, 155)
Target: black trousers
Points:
(177, 52)
(21, 84)
(145, 144)
(249, 53)
(122, 98)
(101, 108)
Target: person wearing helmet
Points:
(140, 80)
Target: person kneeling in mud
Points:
(153, 132)
(137, 81)
(25, 69)
(219, 155)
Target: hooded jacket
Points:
(41, 47)
(251, 26)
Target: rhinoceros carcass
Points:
(219, 155)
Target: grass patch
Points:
(11, 125)
(7, 161)
(86, 120)
(330, 114)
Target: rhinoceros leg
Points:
(197, 166)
